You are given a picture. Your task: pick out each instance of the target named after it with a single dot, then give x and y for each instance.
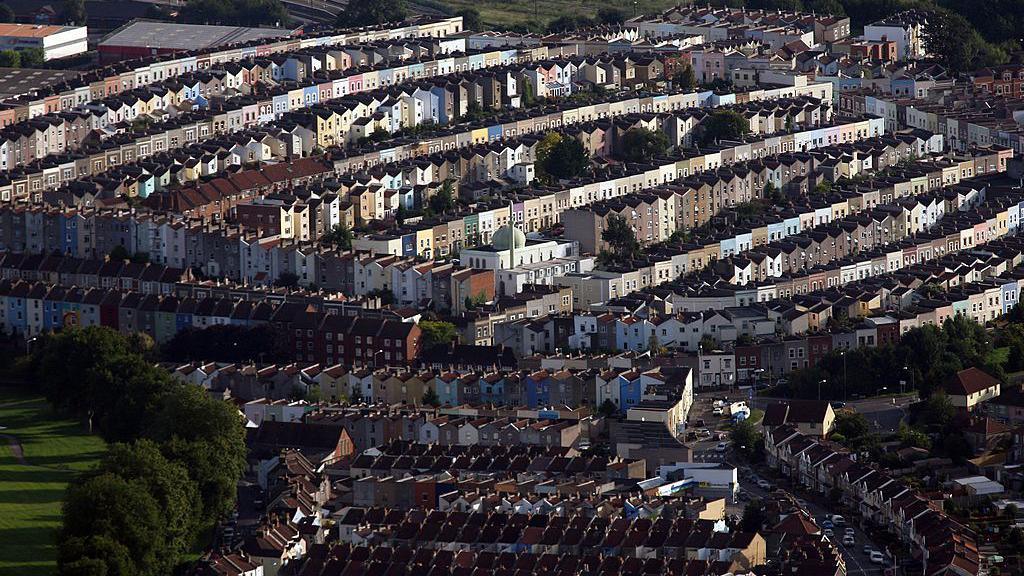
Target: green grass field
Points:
(55, 450)
(505, 12)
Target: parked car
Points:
(877, 557)
(849, 540)
(827, 524)
(763, 484)
(717, 411)
(850, 532)
(722, 447)
(837, 520)
(829, 533)
(867, 550)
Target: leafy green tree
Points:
(93, 556)
(723, 125)
(207, 437)
(287, 280)
(957, 45)
(685, 79)
(371, 13)
(6, 14)
(74, 12)
(610, 15)
(852, 425)
(119, 254)
(430, 398)
(437, 333)
(112, 508)
(938, 412)
(747, 439)
(32, 57)
(339, 236)
(568, 159)
(471, 19)
(641, 144)
(10, 59)
(541, 152)
(754, 516)
(771, 194)
(608, 408)
(168, 482)
(91, 373)
(913, 437)
(568, 23)
(235, 12)
(620, 236)
(443, 201)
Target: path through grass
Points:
(55, 451)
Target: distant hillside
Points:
(508, 12)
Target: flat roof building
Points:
(55, 41)
(144, 38)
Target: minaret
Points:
(512, 236)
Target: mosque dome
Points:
(505, 236)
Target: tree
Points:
(568, 23)
(119, 254)
(470, 19)
(168, 482)
(32, 57)
(235, 12)
(74, 12)
(823, 187)
(568, 159)
(443, 201)
(93, 556)
(747, 439)
(232, 343)
(6, 14)
(685, 79)
(108, 508)
(430, 398)
(10, 59)
(852, 425)
(620, 236)
(287, 280)
(641, 144)
(754, 516)
(707, 343)
(542, 150)
(771, 193)
(608, 408)
(957, 45)
(92, 373)
(437, 333)
(610, 16)
(207, 437)
(914, 438)
(339, 236)
(723, 125)
(938, 412)
(371, 13)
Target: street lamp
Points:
(843, 354)
(820, 382)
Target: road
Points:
(857, 562)
(885, 412)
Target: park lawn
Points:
(56, 450)
(507, 12)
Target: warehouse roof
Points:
(172, 35)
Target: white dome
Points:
(504, 236)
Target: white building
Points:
(55, 41)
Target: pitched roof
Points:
(969, 381)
